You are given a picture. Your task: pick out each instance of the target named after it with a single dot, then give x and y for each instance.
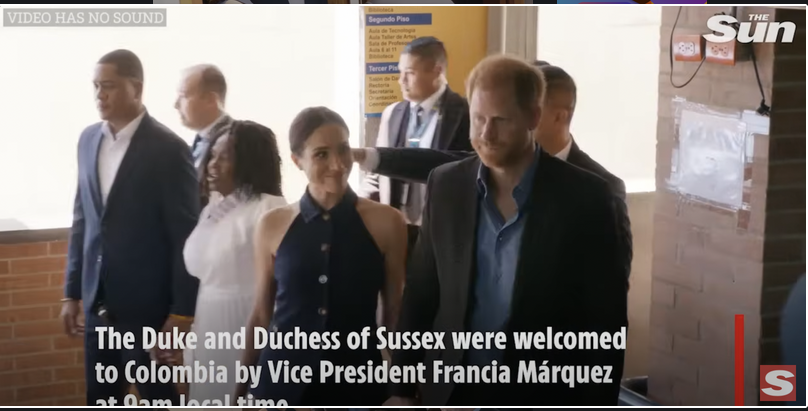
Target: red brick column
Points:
(708, 264)
(39, 365)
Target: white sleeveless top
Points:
(220, 249)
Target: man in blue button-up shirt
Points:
(498, 242)
(535, 245)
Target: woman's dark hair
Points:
(307, 121)
(255, 157)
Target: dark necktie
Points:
(414, 139)
(196, 142)
(200, 147)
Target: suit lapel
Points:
(575, 153)
(400, 116)
(537, 237)
(92, 171)
(464, 229)
(448, 122)
(221, 127)
(129, 161)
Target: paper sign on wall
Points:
(711, 157)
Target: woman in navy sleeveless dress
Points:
(327, 261)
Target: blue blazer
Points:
(792, 337)
(135, 242)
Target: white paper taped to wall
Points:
(711, 157)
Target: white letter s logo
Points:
(785, 386)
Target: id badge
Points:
(405, 192)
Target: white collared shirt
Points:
(430, 101)
(413, 206)
(205, 132)
(111, 153)
(565, 152)
(428, 104)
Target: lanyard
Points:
(414, 138)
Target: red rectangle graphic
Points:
(739, 360)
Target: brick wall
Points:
(39, 365)
(708, 264)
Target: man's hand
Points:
(70, 318)
(358, 154)
(171, 356)
(400, 402)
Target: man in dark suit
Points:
(430, 116)
(552, 134)
(200, 103)
(137, 201)
(534, 245)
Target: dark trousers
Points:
(118, 358)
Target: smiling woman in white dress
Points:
(244, 174)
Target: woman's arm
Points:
(395, 258)
(266, 289)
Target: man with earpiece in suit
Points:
(430, 116)
(200, 103)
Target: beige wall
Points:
(641, 214)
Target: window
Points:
(617, 74)
(277, 61)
